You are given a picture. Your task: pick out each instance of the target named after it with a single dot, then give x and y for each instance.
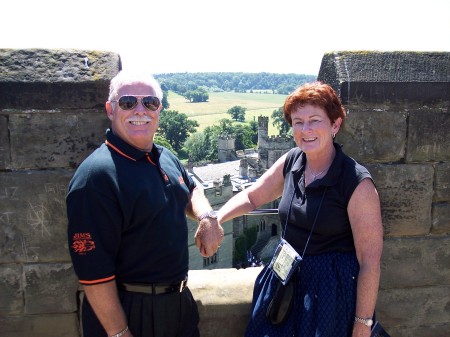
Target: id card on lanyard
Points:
(284, 261)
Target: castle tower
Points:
(225, 148)
(263, 129)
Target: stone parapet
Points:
(388, 77)
(51, 325)
(366, 141)
(415, 311)
(224, 298)
(406, 194)
(51, 79)
(33, 222)
(54, 139)
(442, 192)
(5, 155)
(428, 136)
(415, 262)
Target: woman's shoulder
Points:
(352, 167)
(292, 158)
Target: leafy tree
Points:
(197, 147)
(165, 102)
(244, 136)
(176, 128)
(198, 95)
(212, 133)
(226, 126)
(161, 140)
(254, 131)
(243, 244)
(237, 113)
(280, 122)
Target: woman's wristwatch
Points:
(366, 321)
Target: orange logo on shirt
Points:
(82, 243)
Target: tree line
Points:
(188, 83)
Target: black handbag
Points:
(281, 304)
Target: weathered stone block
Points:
(441, 219)
(4, 143)
(365, 141)
(11, 292)
(406, 193)
(428, 136)
(442, 191)
(223, 296)
(33, 222)
(56, 325)
(415, 262)
(393, 77)
(413, 307)
(50, 288)
(434, 330)
(58, 78)
(58, 139)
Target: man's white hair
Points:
(125, 77)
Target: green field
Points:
(209, 113)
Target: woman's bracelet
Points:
(121, 332)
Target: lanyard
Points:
(314, 223)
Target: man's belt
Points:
(153, 289)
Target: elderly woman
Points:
(330, 212)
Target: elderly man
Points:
(127, 229)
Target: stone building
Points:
(270, 148)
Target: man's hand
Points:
(208, 237)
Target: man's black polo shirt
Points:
(126, 211)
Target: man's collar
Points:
(128, 151)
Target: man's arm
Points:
(104, 299)
(209, 233)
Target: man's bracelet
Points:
(121, 332)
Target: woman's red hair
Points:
(317, 94)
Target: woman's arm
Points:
(267, 188)
(365, 218)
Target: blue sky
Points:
(283, 36)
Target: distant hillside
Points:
(237, 82)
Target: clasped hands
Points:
(209, 236)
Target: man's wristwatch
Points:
(365, 321)
(210, 214)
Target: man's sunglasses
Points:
(151, 103)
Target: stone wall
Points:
(52, 117)
(397, 125)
